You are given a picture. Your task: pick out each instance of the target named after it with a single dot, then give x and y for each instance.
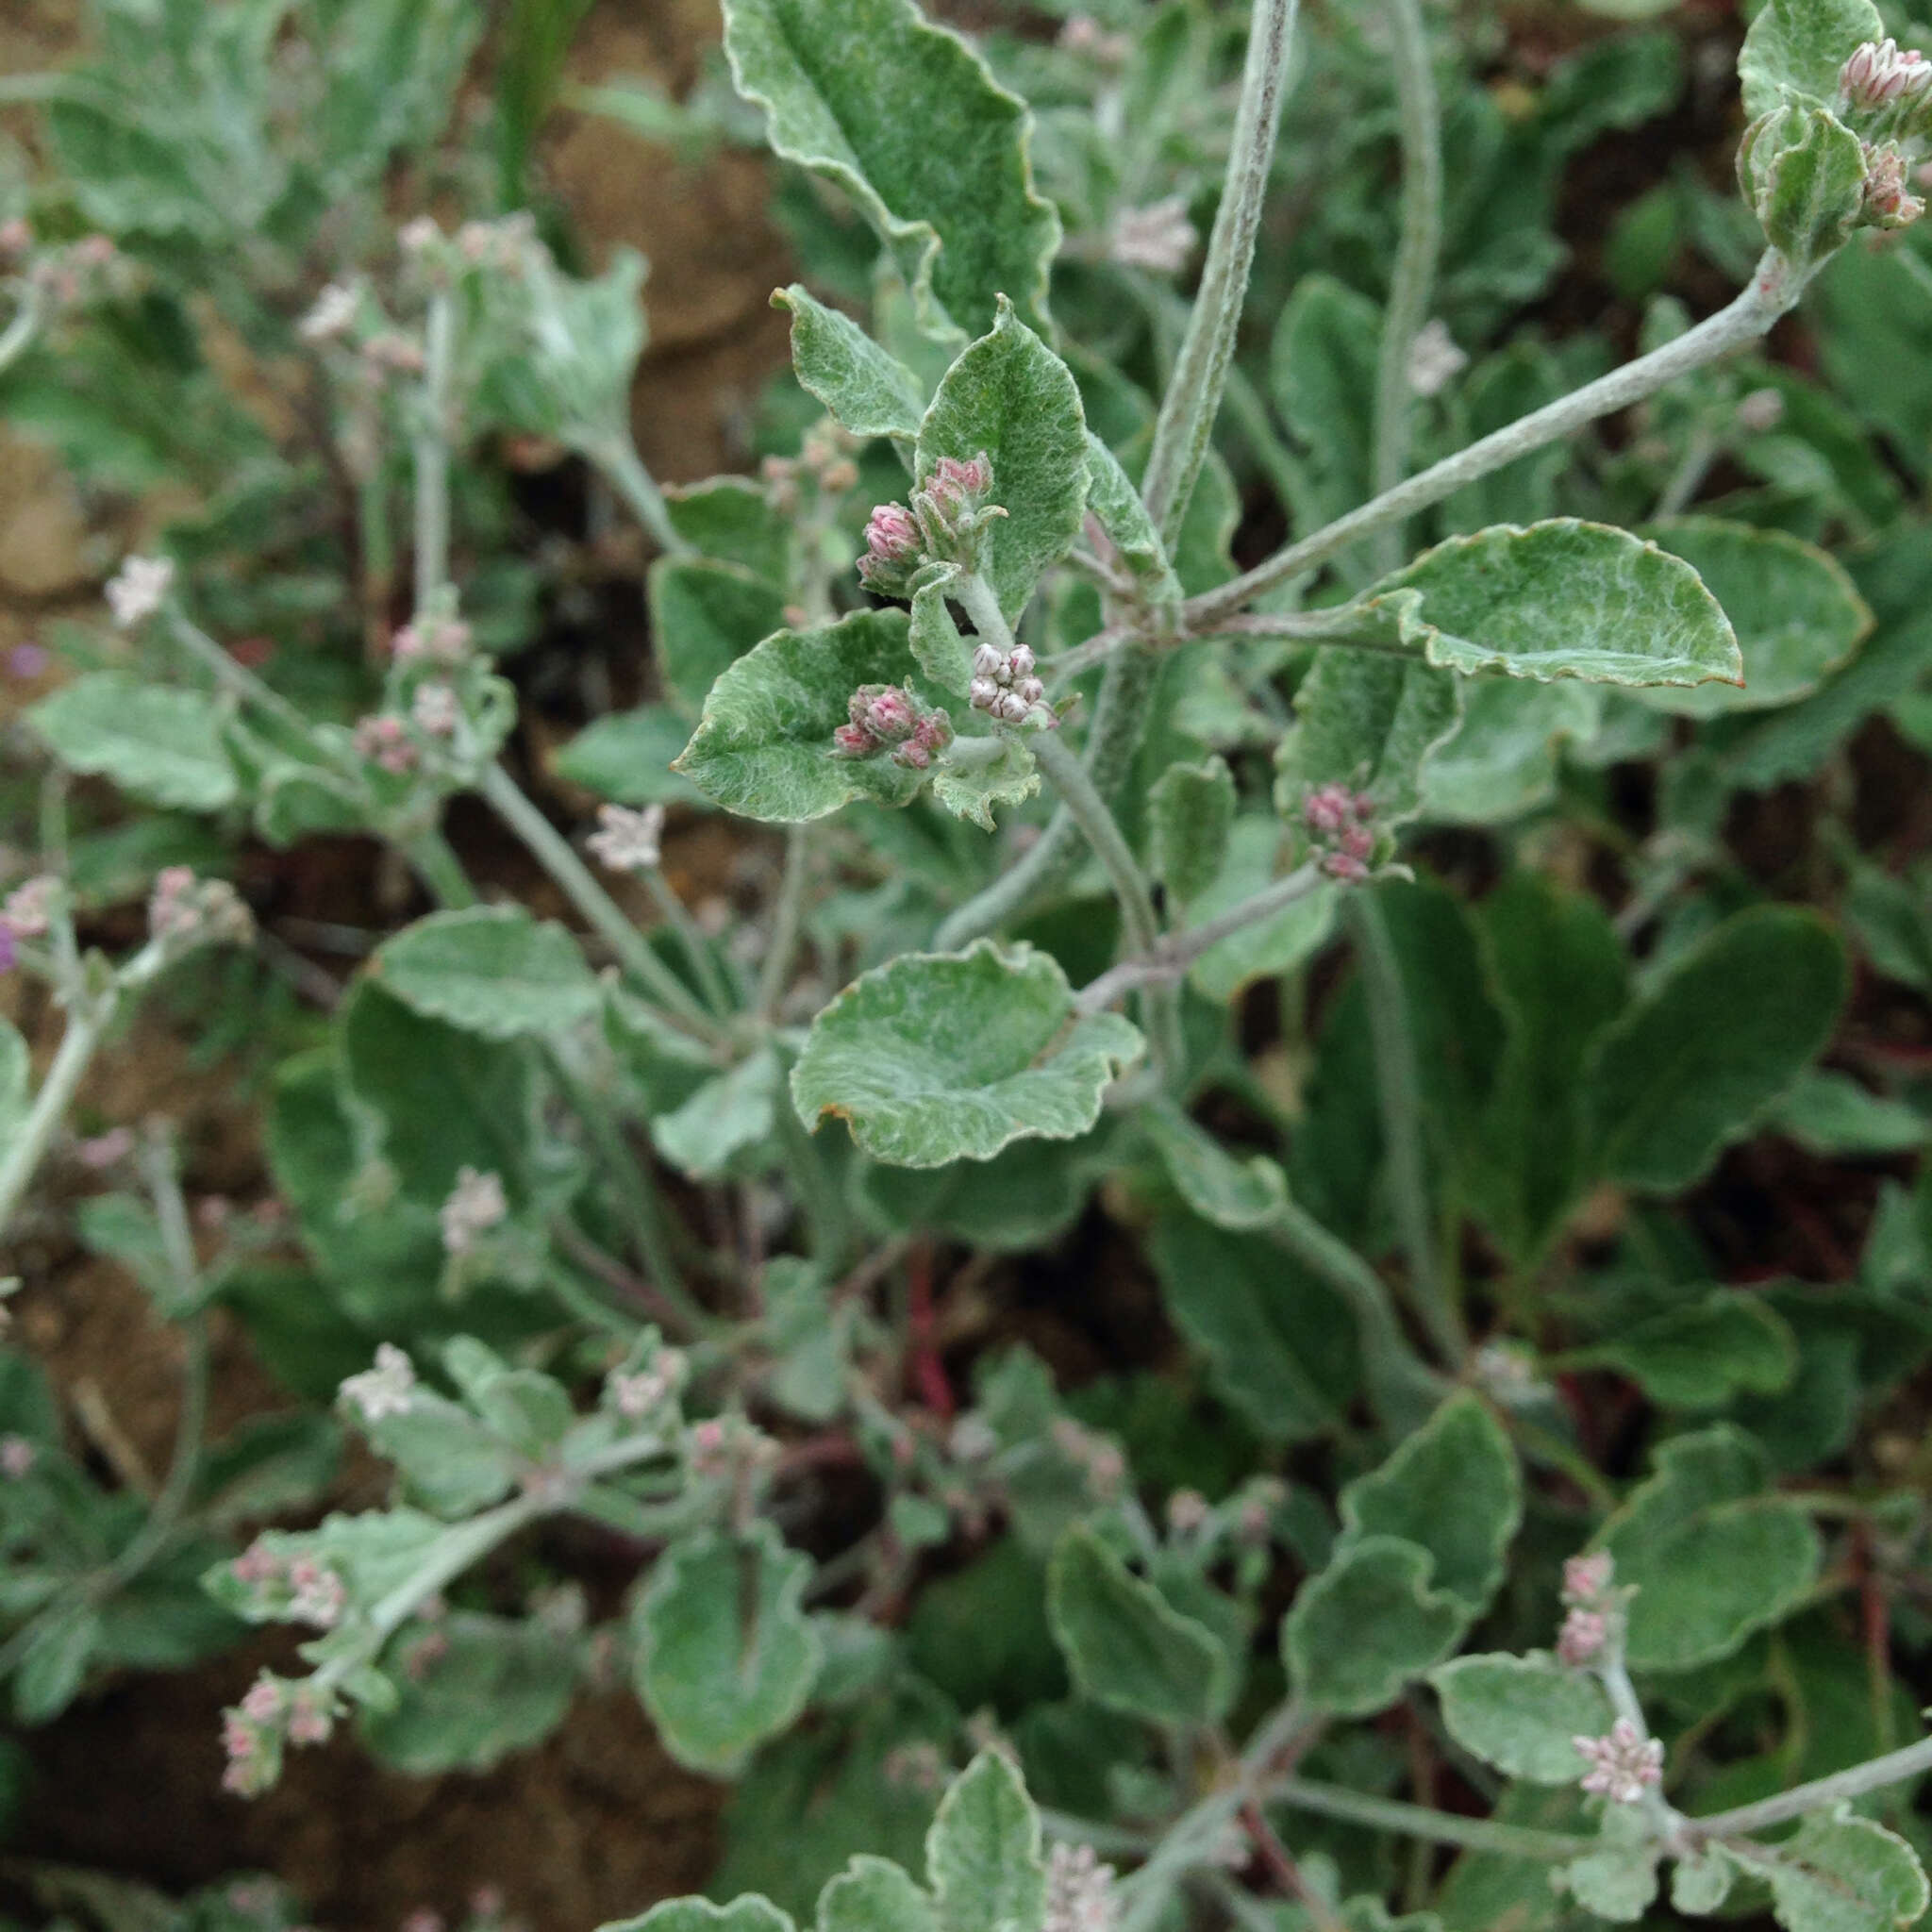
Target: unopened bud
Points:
(1880, 73)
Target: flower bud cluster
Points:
(29, 908)
(184, 911)
(627, 841)
(432, 639)
(1881, 74)
(824, 464)
(140, 589)
(883, 716)
(475, 1205)
(273, 1713)
(1158, 238)
(1004, 687)
(945, 524)
(88, 270)
(1889, 202)
(283, 1589)
(1339, 823)
(640, 1394)
(385, 1390)
(1099, 1461)
(1593, 1610)
(1622, 1765)
(385, 740)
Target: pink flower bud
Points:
(987, 663)
(1881, 72)
(1586, 1578)
(1339, 865)
(891, 550)
(1010, 708)
(853, 741)
(1029, 689)
(1022, 663)
(1888, 200)
(983, 693)
(891, 714)
(1583, 1637)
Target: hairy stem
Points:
(786, 919)
(1068, 777)
(431, 451)
(552, 851)
(1419, 1821)
(1773, 289)
(1399, 1089)
(1192, 401)
(624, 470)
(22, 1156)
(1412, 282)
(24, 327)
(1872, 1775)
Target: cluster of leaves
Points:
(1448, 1303)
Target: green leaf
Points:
(1368, 723)
(1702, 1882)
(1280, 1343)
(763, 747)
(1797, 614)
(1366, 1627)
(1795, 48)
(1711, 1554)
(1803, 170)
(1127, 1647)
(1322, 373)
(1618, 1883)
(1503, 760)
(1270, 946)
(162, 744)
(478, 1688)
(704, 616)
(1558, 972)
(490, 970)
(730, 518)
(750, 1913)
(1112, 497)
(725, 1656)
(627, 758)
(1010, 396)
(904, 117)
(871, 392)
(1191, 814)
(725, 1115)
(1555, 600)
(1831, 1114)
(53, 1666)
(1520, 1713)
(1451, 1489)
(971, 788)
(941, 1056)
(1232, 1194)
(1839, 1873)
(874, 1895)
(982, 1855)
(1691, 1066)
(942, 654)
(1700, 1356)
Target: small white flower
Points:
(1434, 360)
(434, 710)
(1624, 1765)
(16, 1458)
(320, 1595)
(1158, 238)
(140, 589)
(628, 841)
(333, 313)
(385, 1390)
(475, 1205)
(1079, 1890)
(29, 907)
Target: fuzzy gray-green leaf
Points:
(1839, 1873)
(871, 392)
(726, 1655)
(1366, 1627)
(1370, 723)
(982, 1855)
(1522, 1712)
(159, 743)
(490, 970)
(905, 118)
(941, 1056)
(1795, 48)
(1191, 813)
(704, 616)
(1008, 395)
(765, 744)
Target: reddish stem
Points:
(922, 1335)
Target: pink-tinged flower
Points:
(1158, 238)
(1187, 1510)
(310, 1720)
(1433, 360)
(140, 589)
(853, 741)
(627, 841)
(1881, 72)
(887, 711)
(434, 709)
(385, 741)
(435, 640)
(263, 1702)
(16, 238)
(30, 906)
(1582, 1638)
(1889, 202)
(1586, 1578)
(475, 1205)
(1624, 1765)
(331, 315)
(184, 911)
(933, 733)
(320, 1595)
(257, 1565)
(892, 550)
(1338, 822)
(16, 1458)
(385, 1390)
(1079, 1890)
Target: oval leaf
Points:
(490, 970)
(1522, 1712)
(159, 743)
(943, 1056)
(871, 392)
(765, 744)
